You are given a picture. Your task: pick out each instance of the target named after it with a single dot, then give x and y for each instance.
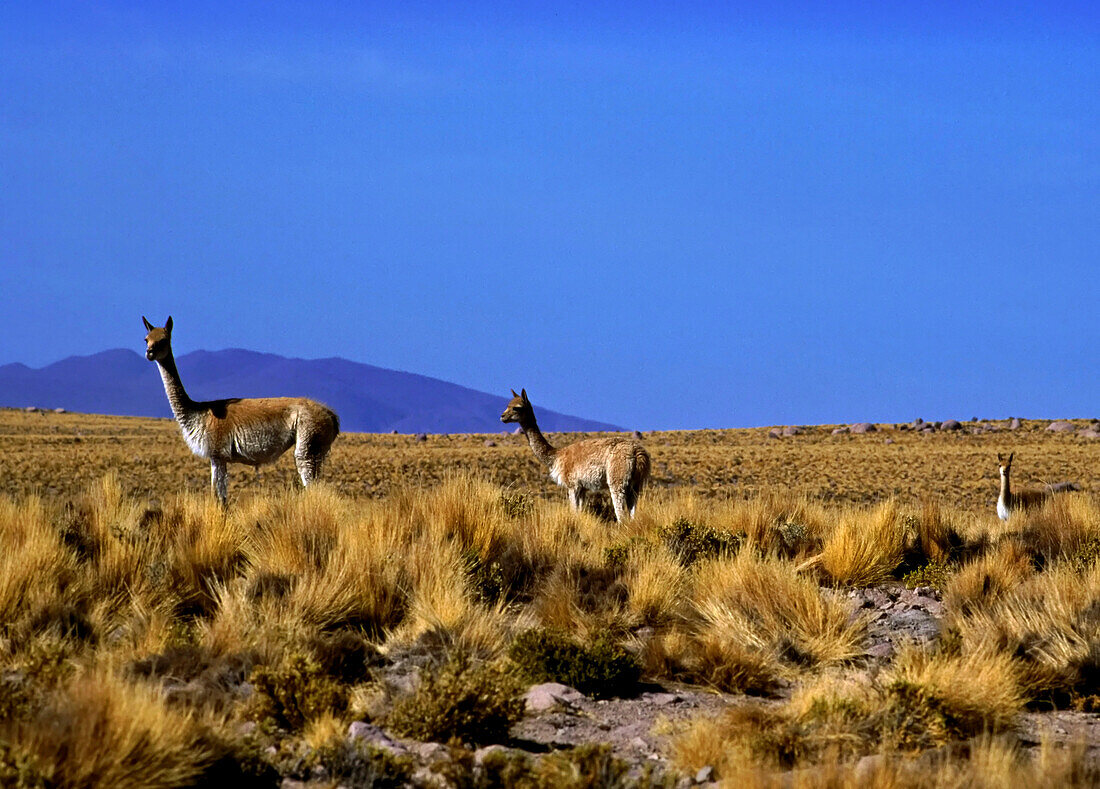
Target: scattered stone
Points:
(548, 695)
(369, 733)
(638, 435)
(791, 430)
(704, 774)
(490, 443)
(918, 422)
(662, 698)
(430, 751)
(31, 409)
(1014, 423)
(839, 431)
(481, 753)
(393, 432)
(866, 769)
(1061, 426)
(517, 431)
(59, 410)
(774, 433)
(1089, 433)
(888, 441)
(421, 437)
(951, 424)
(1063, 487)
(883, 650)
(863, 427)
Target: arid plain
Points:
(816, 609)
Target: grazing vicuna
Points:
(252, 431)
(1009, 502)
(619, 465)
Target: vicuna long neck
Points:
(1005, 489)
(182, 405)
(539, 445)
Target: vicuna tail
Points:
(640, 472)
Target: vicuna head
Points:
(158, 341)
(1005, 463)
(519, 408)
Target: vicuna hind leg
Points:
(576, 499)
(631, 500)
(309, 456)
(619, 502)
(219, 479)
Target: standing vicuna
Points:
(1009, 502)
(620, 465)
(252, 431)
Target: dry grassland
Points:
(149, 638)
(58, 455)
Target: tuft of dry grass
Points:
(102, 731)
(865, 547)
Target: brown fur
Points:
(618, 465)
(249, 431)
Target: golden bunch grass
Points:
(864, 547)
(103, 731)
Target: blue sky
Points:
(658, 215)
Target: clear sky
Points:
(659, 215)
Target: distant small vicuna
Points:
(251, 431)
(1009, 501)
(619, 465)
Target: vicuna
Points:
(252, 431)
(619, 465)
(1009, 502)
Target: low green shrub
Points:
(486, 577)
(296, 691)
(616, 555)
(363, 765)
(19, 769)
(692, 542)
(474, 704)
(602, 670)
(934, 574)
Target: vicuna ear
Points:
(168, 324)
(148, 326)
(514, 393)
(523, 394)
(1000, 458)
(1011, 455)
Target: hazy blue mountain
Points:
(368, 399)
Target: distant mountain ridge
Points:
(368, 399)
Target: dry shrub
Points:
(1049, 625)
(1062, 527)
(100, 731)
(294, 693)
(973, 692)
(780, 606)
(937, 541)
(751, 622)
(925, 703)
(34, 567)
(602, 668)
(656, 588)
(460, 700)
(986, 579)
(865, 547)
(583, 598)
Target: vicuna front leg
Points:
(576, 499)
(219, 478)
